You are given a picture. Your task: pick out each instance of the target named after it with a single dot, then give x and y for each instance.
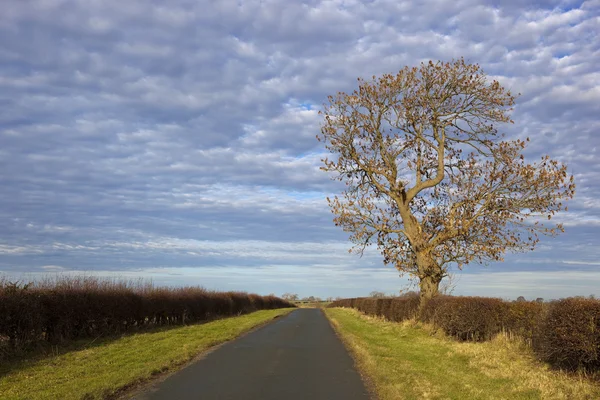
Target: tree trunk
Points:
(429, 285)
(430, 276)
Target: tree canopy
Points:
(429, 178)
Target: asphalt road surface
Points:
(297, 357)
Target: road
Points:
(297, 357)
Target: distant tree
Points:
(429, 179)
(409, 293)
(290, 296)
(521, 299)
(376, 294)
(449, 284)
(539, 300)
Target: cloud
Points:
(135, 135)
(52, 268)
(530, 284)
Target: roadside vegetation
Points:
(563, 333)
(107, 367)
(58, 310)
(410, 360)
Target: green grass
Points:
(409, 361)
(107, 368)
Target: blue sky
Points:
(175, 141)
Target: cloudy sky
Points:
(175, 141)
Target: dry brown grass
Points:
(412, 360)
(510, 357)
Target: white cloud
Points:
(531, 284)
(52, 268)
(130, 127)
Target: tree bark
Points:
(430, 276)
(429, 286)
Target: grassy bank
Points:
(105, 368)
(405, 361)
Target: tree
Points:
(290, 296)
(429, 179)
(377, 294)
(447, 287)
(407, 294)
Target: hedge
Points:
(565, 333)
(73, 308)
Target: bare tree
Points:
(290, 296)
(429, 179)
(449, 283)
(377, 294)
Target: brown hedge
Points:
(74, 308)
(394, 309)
(524, 319)
(569, 334)
(565, 333)
(467, 318)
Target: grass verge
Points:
(407, 361)
(104, 370)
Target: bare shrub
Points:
(467, 318)
(564, 333)
(60, 309)
(569, 335)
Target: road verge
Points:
(407, 361)
(106, 368)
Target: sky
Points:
(175, 141)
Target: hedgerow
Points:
(70, 308)
(565, 333)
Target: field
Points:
(311, 304)
(407, 361)
(105, 368)
(479, 348)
